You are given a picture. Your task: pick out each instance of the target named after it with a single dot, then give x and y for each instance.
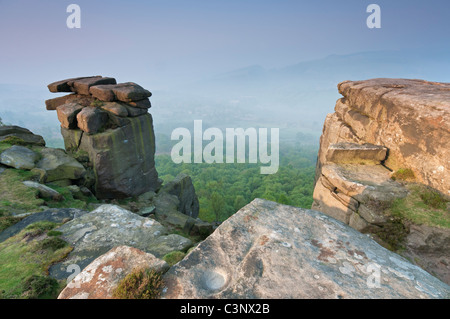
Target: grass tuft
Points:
(174, 257)
(140, 284)
(40, 287)
(422, 206)
(404, 174)
(29, 254)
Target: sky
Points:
(159, 41)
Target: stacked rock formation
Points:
(379, 127)
(411, 118)
(109, 122)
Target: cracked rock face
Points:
(108, 226)
(269, 250)
(379, 127)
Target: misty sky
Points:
(150, 42)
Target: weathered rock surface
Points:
(183, 188)
(409, 117)
(59, 166)
(269, 250)
(56, 215)
(52, 104)
(19, 157)
(134, 111)
(13, 129)
(108, 226)
(44, 191)
(356, 194)
(129, 92)
(17, 132)
(91, 120)
(67, 114)
(167, 211)
(82, 86)
(122, 158)
(356, 153)
(99, 279)
(103, 92)
(428, 247)
(66, 85)
(115, 108)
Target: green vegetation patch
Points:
(40, 287)
(69, 201)
(174, 257)
(97, 103)
(140, 284)
(392, 234)
(4, 146)
(7, 221)
(15, 196)
(24, 262)
(41, 227)
(422, 206)
(14, 140)
(404, 174)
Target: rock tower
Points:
(382, 153)
(107, 127)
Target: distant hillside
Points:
(294, 98)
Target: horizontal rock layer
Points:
(411, 118)
(381, 126)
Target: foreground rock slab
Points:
(269, 250)
(94, 234)
(98, 280)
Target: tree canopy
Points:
(225, 188)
